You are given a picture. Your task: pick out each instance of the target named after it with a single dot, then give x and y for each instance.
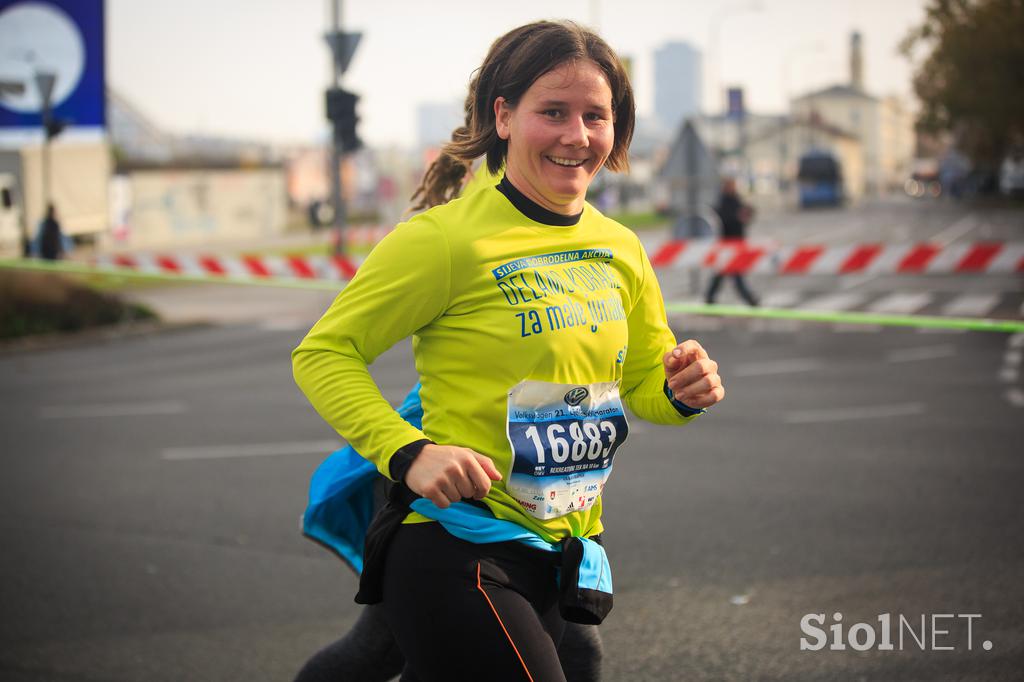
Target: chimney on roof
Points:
(856, 62)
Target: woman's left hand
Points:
(692, 376)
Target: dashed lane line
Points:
(310, 447)
(844, 414)
(761, 369)
(112, 410)
(922, 353)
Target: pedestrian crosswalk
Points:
(899, 303)
(1004, 305)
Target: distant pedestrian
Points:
(735, 216)
(50, 237)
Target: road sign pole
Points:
(45, 82)
(342, 115)
(337, 148)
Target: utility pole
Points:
(45, 83)
(341, 112)
(52, 127)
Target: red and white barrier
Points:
(811, 259)
(724, 256)
(235, 267)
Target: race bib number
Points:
(563, 437)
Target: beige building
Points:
(885, 126)
(775, 155)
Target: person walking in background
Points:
(50, 241)
(735, 216)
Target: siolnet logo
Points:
(576, 396)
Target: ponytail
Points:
(447, 174)
(443, 180)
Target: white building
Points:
(884, 126)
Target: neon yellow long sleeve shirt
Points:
(492, 299)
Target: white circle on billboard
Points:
(38, 38)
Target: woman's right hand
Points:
(447, 473)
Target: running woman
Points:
(533, 318)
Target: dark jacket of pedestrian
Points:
(734, 215)
(51, 239)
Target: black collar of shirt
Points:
(532, 209)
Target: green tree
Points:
(971, 78)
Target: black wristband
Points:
(681, 408)
(403, 458)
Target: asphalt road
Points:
(151, 486)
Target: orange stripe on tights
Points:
(504, 629)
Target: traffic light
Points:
(341, 111)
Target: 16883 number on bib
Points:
(563, 437)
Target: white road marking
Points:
(1015, 396)
(1017, 340)
(761, 369)
(112, 410)
(923, 353)
(971, 305)
(835, 301)
(781, 299)
(900, 303)
(841, 414)
(321, 447)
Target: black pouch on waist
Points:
(378, 538)
(585, 582)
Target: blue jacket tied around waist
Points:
(341, 507)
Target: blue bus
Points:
(820, 178)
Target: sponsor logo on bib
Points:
(576, 396)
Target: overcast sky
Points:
(257, 68)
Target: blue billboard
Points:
(58, 39)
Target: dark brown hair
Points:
(513, 63)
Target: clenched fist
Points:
(447, 473)
(692, 376)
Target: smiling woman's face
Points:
(559, 135)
